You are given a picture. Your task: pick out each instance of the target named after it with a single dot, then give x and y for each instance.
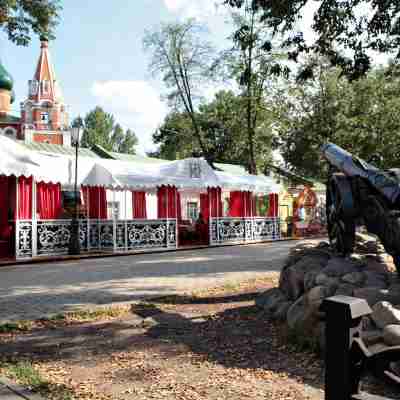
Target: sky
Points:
(98, 58)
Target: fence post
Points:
(343, 325)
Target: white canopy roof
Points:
(190, 173)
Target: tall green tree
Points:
(223, 121)
(22, 18)
(251, 66)
(183, 59)
(360, 116)
(128, 143)
(98, 128)
(117, 137)
(345, 31)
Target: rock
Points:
(338, 266)
(372, 337)
(316, 295)
(300, 318)
(383, 313)
(280, 313)
(374, 295)
(309, 279)
(391, 335)
(376, 280)
(270, 300)
(291, 282)
(354, 278)
(345, 289)
(372, 265)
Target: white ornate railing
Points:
(228, 230)
(52, 237)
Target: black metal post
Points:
(343, 325)
(74, 244)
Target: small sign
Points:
(195, 170)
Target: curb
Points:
(62, 258)
(18, 392)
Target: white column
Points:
(114, 218)
(34, 219)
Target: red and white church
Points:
(44, 118)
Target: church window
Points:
(44, 117)
(45, 87)
(33, 88)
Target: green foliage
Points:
(251, 67)
(25, 373)
(183, 59)
(222, 123)
(117, 137)
(345, 31)
(360, 116)
(22, 18)
(129, 143)
(99, 128)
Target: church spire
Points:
(44, 84)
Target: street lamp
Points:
(74, 244)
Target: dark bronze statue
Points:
(360, 194)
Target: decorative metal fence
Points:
(52, 237)
(234, 230)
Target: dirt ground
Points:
(215, 345)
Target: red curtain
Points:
(139, 205)
(168, 196)
(273, 205)
(204, 206)
(215, 202)
(96, 201)
(48, 197)
(24, 198)
(242, 204)
(4, 201)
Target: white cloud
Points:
(135, 105)
(200, 9)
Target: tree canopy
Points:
(100, 128)
(181, 56)
(346, 32)
(22, 18)
(222, 121)
(360, 116)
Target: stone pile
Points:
(313, 272)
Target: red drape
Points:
(242, 204)
(96, 201)
(215, 202)
(205, 206)
(273, 205)
(4, 201)
(139, 204)
(168, 196)
(24, 198)
(48, 197)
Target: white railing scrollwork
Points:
(52, 237)
(241, 230)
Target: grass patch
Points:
(97, 314)
(24, 373)
(17, 326)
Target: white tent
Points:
(190, 173)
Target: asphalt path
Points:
(37, 290)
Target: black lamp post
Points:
(74, 244)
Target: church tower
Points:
(44, 116)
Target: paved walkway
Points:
(32, 291)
